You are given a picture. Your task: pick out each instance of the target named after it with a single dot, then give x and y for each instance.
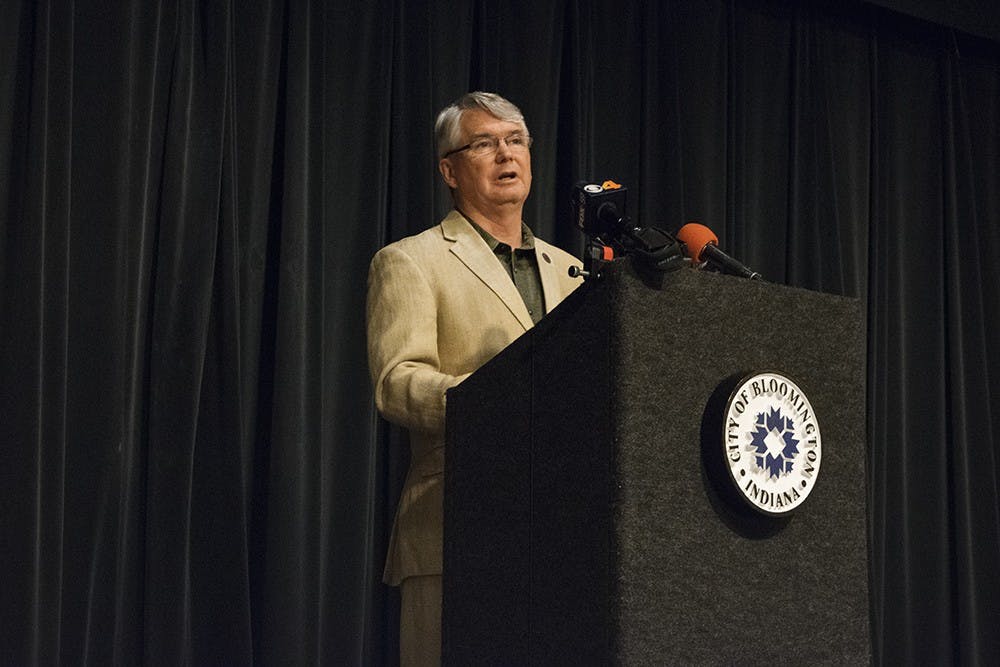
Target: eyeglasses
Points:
(487, 145)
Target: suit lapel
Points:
(548, 273)
(472, 250)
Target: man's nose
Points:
(504, 152)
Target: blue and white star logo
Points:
(774, 443)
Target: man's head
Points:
(483, 153)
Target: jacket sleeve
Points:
(402, 343)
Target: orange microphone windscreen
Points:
(695, 237)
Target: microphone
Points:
(599, 210)
(702, 245)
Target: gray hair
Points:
(448, 127)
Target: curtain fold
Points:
(190, 194)
(973, 497)
(35, 375)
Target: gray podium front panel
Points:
(582, 524)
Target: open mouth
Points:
(507, 176)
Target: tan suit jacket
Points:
(440, 304)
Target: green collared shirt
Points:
(522, 267)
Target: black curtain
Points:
(190, 193)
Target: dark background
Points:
(190, 192)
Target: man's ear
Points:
(448, 172)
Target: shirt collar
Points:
(527, 238)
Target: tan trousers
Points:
(420, 621)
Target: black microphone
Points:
(599, 210)
(702, 245)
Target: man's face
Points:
(496, 179)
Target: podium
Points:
(584, 521)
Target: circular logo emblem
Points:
(771, 443)
(593, 188)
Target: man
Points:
(442, 303)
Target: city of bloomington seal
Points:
(771, 443)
